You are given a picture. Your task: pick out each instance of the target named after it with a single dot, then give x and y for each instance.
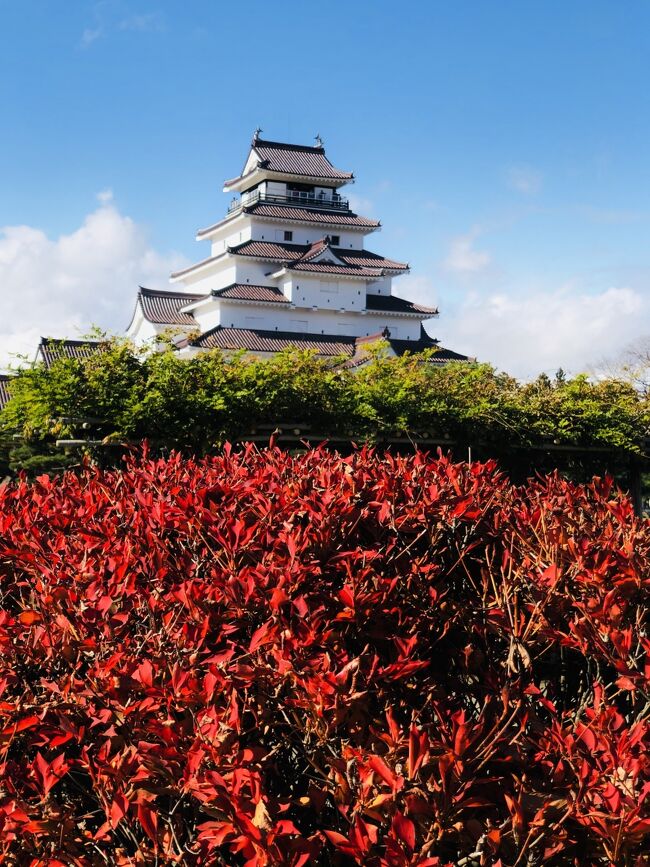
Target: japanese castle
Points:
(287, 268)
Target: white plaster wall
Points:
(215, 276)
(273, 188)
(229, 238)
(229, 227)
(251, 161)
(246, 227)
(226, 271)
(382, 286)
(266, 231)
(352, 324)
(208, 315)
(325, 291)
(253, 272)
(140, 330)
(301, 319)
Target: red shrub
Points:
(265, 659)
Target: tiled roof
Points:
(329, 218)
(291, 253)
(425, 341)
(164, 308)
(50, 349)
(291, 159)
(247, 292)
(293, 214)
(393, 304)
(334, 268)
(399, 347)
(4, 389)
(368, 259)
(254, 340)
(443, 355)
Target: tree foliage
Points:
(264, 659)
(198, 402)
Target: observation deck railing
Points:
(297, 198)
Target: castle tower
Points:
(287, 267)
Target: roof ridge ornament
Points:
(256, 134)
(319, 141)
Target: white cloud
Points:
(90, 35)
(149, 22)
(360, 205)
(109, 18)
(61, 287)
(542, 331)
(416, 288)
(464, 258)
(524, 179)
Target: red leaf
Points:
(144, 673)
(148, 818)
(119, 809)
(404, 830)
(381, 768)
(48, 774)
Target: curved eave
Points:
(385, 270)
(344, 227)
(138, 304)
(195, 305)
(203, 234)
(257, 175)
(286, 305)
(191, 269)
(286, 269)
(232, 251)
(405, 314)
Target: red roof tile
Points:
(164, 308)
(4, 389)
(291, 159)
(326, 267)
(50, 349)
(368, 259)
(293, 214)
(254, 340)
(399, 347)
(247, 292)
(393, 304)
(289, 253)
(329, 218)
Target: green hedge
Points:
(198, 402)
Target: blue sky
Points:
(504, 146)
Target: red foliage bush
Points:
(266, 659)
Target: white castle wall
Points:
(303, 320)
(265, 231)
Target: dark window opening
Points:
(288, 236)
(335, 240)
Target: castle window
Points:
(335, 240)
(288, 236)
